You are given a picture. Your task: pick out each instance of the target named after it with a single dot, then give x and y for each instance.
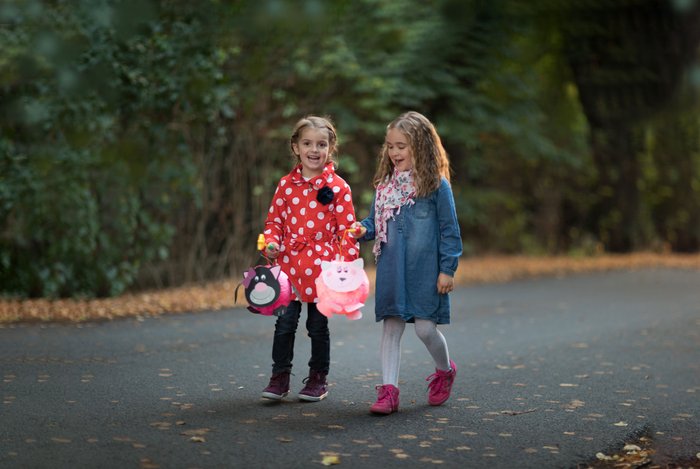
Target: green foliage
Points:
(87, 177)
(140, 141)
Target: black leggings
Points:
(285, 332)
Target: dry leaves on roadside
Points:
(219, 294)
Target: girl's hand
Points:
(272, 250)
(356, 230)
(445, 284)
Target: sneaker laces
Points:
(314, 380)
(440, 379)
(384, 394)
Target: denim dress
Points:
(423, 240)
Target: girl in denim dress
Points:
(417, 245)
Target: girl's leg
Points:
(390, 349)
(317, 327)
(283, 343)
(435, 342)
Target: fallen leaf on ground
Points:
(330, 460)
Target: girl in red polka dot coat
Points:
(310, 211)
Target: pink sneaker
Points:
(278, 387)
(440, 384)
(387, 400)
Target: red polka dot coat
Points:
(307, 230)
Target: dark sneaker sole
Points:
(274, 397)
(307, 398)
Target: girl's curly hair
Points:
(430, 161)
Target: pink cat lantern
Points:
(342, 288)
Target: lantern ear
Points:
(247, 277)
(325, 265)
(275, 270)
(359, 263)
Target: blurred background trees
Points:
(140, 141)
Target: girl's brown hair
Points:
(316, 122)
(430, 161)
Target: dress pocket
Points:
(422, 209)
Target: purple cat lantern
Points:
(267, 289)
(342, 288)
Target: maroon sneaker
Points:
(387, 400)
(315, 387)
(440, 385)
(278, 387)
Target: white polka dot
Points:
(315, 300)
(288, 190)
(342, 227)
(350, 217)
(351, 251)
(294, 253)
(326, 253)
(318, 248)
(308, 291)
(306, 192)
(293, 220)
(278, 220)
(330, 179)
(309, 272)
(317, 262)
(328, 227)
(279, 202)
(271, 210)
(321, 215)
(283, 182)
(310, 223)
(303, 211)
(336, 189)
(267, 231)
(313, 204)
(301, 230)
(285, 259)
(310, 253)
(348, 198)
(295, 200)
(292, 271)
(340, 209)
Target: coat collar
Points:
(317, 182)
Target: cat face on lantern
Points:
(261, 285)
(343, 276)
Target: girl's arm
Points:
(368, 223)
(450, 239)
(345, 217)
(276, 216)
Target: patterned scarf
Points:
(392, 194)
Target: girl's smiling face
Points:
(312, 148)
(399, 150)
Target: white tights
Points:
(390, 347)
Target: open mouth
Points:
(262, 298)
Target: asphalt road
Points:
(551, 372)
